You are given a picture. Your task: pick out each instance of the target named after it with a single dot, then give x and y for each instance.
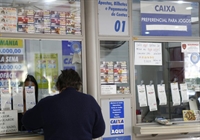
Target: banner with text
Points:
(11, 62)
(71, 54)
(46, 70)
(113, 17)
(165, 19)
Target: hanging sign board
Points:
(113, 17)
(165, 19)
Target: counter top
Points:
(163, 129)
(21, 136)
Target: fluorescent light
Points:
(156, 27)
(49, 0)
(147, 33)
(180, 1)
(189, 8)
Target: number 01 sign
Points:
(113, 17)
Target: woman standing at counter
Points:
(68, 115)
(29, 82)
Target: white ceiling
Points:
(58, 5)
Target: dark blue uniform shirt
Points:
(70, 115)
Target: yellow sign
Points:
(11, 43)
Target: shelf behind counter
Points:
(21, 136)
(182, 128)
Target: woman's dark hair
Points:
(32, 79)
(68, 78)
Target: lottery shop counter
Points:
(21, 136)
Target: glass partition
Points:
(165, 18)
(167, 80)
(45, 62)
(114, 67)
(40, 16)
(43, 59)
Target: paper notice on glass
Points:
(30, 97)
(162, 94)
(148, 53)
(184, 94)
(196, 87)
(18, 103)
(142, 95)
(151, 97)
(5, 99)
(175, 94)
(189, 47)
(108, 89)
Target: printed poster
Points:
(106, 69)
(8, 19)
(11, 62)
(165, 19)
(116, 117)
(191, 115)
(148, 53)
(191, 65)
(73, 22)
(46, 70)
(71, 54)
(120, 72)
(190, 47)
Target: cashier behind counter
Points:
(29, 81)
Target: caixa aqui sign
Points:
(116, 129)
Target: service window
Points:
(114, 67)
(167, 81)
(42, 59)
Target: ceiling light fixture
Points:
(189, 8)
(180, 2)
(49, 0)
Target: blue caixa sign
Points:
(116, 129)
(118, 138)
(116, 109)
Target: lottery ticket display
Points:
(115, 73)
(39, 21)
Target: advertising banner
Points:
(11, 61)
(46, 70)
(71, 54)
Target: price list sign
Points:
(8, 121)
(11, 61)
